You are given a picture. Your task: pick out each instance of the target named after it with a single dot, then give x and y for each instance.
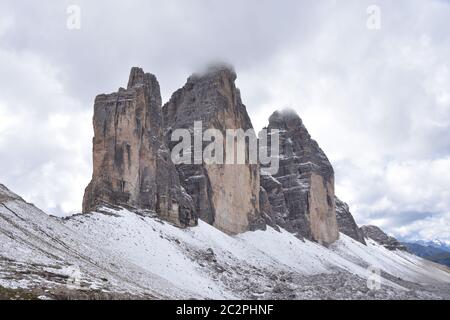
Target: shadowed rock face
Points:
(132, 165)
(346, 222)
(226, 196)
(302, 192)
(378, 235)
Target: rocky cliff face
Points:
(7, 195)
(132, 165)
(378, 235)
(225, 195)
(346, 222)
(302, 192)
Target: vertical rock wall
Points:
(132, 166)
(225, 195)
(302, 192)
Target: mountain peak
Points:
(139, 78)
(216, 69)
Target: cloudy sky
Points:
(376, 100)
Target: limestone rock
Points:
(346, 222)
(132, 165)
(379, 236)
(225, 195)
(305, 180)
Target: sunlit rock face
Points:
(131, 163)
(302, 191)
(225, 195)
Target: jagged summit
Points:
(211, 97)
(378, 235)
(291, 125)
(302, 192)
(138, 78)
(284, 115)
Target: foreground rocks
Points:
(132, 165)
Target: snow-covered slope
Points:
(122, 254)
(38, 250)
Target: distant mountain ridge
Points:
(436, 251)
(439, 244)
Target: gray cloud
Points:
(378, 102)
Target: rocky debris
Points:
(379, 236)
(259, 283)
(302, 192)
(342, 285)
(132, 165)
(346, 222)
(225, 195)
(7, 195)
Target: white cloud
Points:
(430, 228)
(44, 138)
